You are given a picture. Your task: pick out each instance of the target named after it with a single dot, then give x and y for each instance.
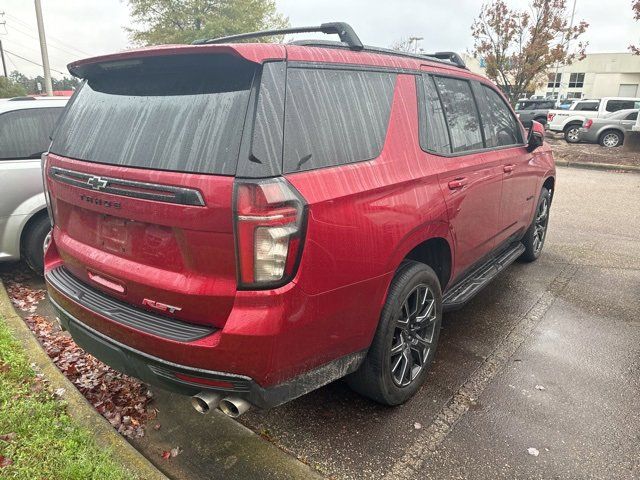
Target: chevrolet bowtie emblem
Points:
(97, 183)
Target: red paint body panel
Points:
(362, 220)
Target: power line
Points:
(57, 40)
(19, 29)
(31, 61)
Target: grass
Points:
(45, 443)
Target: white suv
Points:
(26, 124)
(570, 121)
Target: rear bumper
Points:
(588, 135)
(187, 380)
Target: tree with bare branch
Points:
(520, 46)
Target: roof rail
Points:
(344, 30)
(431, 58)
(453, 57)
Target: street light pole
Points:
(43, 50)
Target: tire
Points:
(536, 234)
(33, 243)
(572, 133)
(611, 139)
(377, 378)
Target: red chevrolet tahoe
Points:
(245, 222)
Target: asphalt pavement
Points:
(537, 377)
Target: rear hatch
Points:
(140, 173)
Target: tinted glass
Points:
(184, 114)
(615, 105)
(434, 136)
(335, 117)
(499, 124)
(25, 133)
(461, 113)
(587, 106)
(632, 116)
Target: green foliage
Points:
(183, 21)
(37, 437)
(9, 88)
(31, 84)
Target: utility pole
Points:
(43, 50)
(4, 63)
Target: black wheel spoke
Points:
(414, 331)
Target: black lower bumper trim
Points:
(162, 373)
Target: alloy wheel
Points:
(413, 335)
(540, 226)
(610, 140)
(572, 134)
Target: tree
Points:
(409, 45)
(635, 6)
(8, 88)
(183, 21)
(519, 47)
(30, 85)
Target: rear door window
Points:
(25, 133)
(335, 117)
(499, 124)
(434, 136)
(615, 105)
(182, 113)
(632, 116)
(461, 113)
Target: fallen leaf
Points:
(175, 452)
(157, 426)
(166, 455)
(8, 437)
(5, 461)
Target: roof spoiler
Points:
(342, 29)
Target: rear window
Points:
(335, 117)
(615, 105)
(183, 113)
(587, 106)
(25, 133)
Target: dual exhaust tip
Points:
(204, 402)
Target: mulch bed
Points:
(590, 153)
(122, 400)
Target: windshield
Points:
(182, 113)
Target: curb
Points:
(79, 408)
(599, 166)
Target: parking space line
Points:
(432, 436)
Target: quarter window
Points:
(499, 125)
(25, 133)
(461, 113)
(434, 136)
(587, 106)
(632, 116)
(335, 117)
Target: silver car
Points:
(608, 131)
(26, 124)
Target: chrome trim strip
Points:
(157, 192)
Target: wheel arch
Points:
(37, 216)
(436, 253)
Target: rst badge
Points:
(163, 307)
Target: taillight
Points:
(44, 165)
(270, 220)
(588, 123)
(550, 117)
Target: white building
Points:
(597, 75)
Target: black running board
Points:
(466, 288)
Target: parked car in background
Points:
(26, 124)
(246, 222)
(566, 103)
(608, 131)
(530, 110)
(570, 121)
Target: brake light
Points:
(588, 123)
(550, 117)
(270, 220)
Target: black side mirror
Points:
(536, 136)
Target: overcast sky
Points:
(81, 28)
